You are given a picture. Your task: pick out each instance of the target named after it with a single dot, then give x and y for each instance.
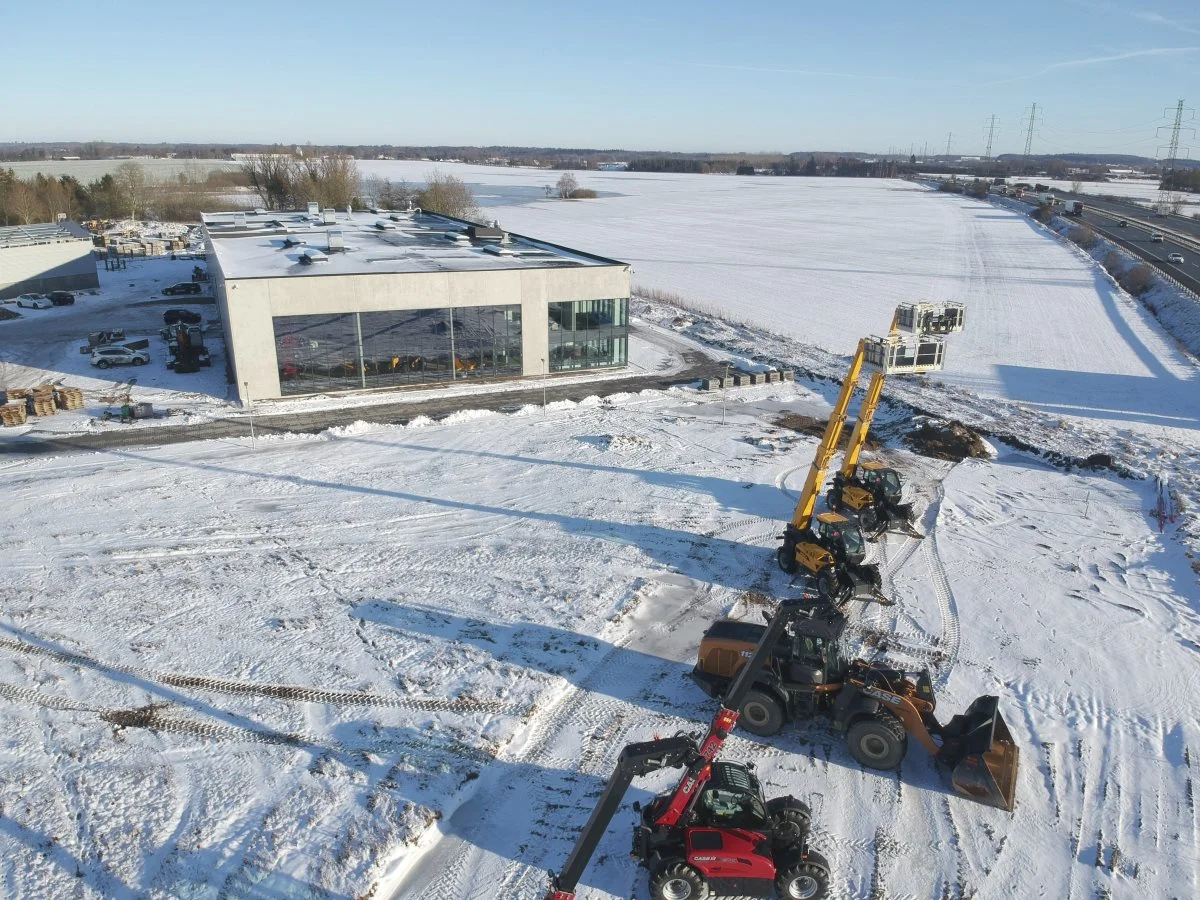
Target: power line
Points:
(1029, 135)
(987, 154)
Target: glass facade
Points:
(587, 334)
(353, 351)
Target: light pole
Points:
(250, 409)
(543, 387)
(724, 392)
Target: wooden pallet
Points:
(12, 414)
(45, 406)
(68, 398)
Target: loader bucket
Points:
(982, 756)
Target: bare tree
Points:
(331, 180)
(133, 182)
(25, 205)
(273, 177)
(567, 186)
(449, 196)
(1076, 184)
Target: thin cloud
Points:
(811, 72)
(1159, 19)
(1098, 61)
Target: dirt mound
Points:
(947, 440)
(8, 314)
(816, 427)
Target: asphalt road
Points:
(1136, 238)
(1125, 209)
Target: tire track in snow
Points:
(455, 868)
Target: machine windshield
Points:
(891, 483)
(734, 809)
(853, 539)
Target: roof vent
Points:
(239, 220)
(484, 233)
(456, 236)
(293, 240)
(385, 225)
(337, 240)
(314, 209)
(497, 250)
(311, 255)
(328, 216)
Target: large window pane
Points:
(588, 334)
(385, 349)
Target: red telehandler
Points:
(714, 833)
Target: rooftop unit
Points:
(328, 216)
(337, 240)
(312, 255)
(484, 233)
(314, 209)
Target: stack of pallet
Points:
(68, 398)
(42, 401)
(12, 414)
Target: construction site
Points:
(831, 620)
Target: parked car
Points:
(103, 357)
(34, 301)
(1156, 238)
(184, 287)
(186, 316)
(61, 298)
(1175, 258)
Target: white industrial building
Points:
(37, 259)
(320, 301)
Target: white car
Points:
(103, 357)
(34, 301)
(1175, 258)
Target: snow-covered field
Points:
(400, 661)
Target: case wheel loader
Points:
(878, 709)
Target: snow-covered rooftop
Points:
(272, 244)
(48, 233)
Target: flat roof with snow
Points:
(272, 244)
(49, 233)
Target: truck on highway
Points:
(1073, 207)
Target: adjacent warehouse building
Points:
(37, 259)
(321, 301)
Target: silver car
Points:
(1175, 258)
(103, 357)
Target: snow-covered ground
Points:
(400, 661)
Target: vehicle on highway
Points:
(1175, 258)
(186, 316)
(61, 298)
(1123, 223)
(34, 301)
(103, 357)
(1156, 238)
(184, 287)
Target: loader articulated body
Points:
(714, 833)
(877, 709)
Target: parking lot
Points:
(43, 345)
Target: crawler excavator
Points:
(713, 834)
(806, 675)
(828, 546)
(871, 491)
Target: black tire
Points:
(879, 742)
(786, 557)
(103, 364)
(803, 880)
(676, 880)
(868, 518)
(791, 819)
(827, 585)
(761, 714)
(138, 361)
(833, 501)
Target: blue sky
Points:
(774, 76)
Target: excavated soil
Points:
(947, 440)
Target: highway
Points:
(1123, 209)
(1135, 237)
